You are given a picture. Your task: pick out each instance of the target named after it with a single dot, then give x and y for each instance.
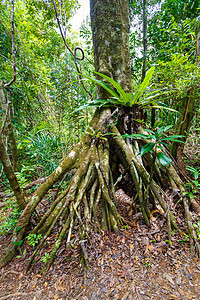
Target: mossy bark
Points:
(110, 31)
(5, 121)
(10, 174)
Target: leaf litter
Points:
(136, 262)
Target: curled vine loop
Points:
(82, 53)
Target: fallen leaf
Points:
(134, 223)
(123, 273)
(60, 287)
(31, 289)
(160, 209)
(169, 278)
(20, 276)
(111, 281)
(153, 219)
(163, 263)
(113, 268)
(123, 240)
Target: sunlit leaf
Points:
(164, 159)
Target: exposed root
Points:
(89, 201)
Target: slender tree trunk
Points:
(5, 120)
(144, 63)
(10, 174)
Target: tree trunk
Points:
(144, 62)
(100, 158)
(5, 120)
(110, 32)
(10, 174)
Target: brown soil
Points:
(130, 264)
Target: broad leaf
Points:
(160, 130)
(150, 131)
(164, 159)
(147, 148)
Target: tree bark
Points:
(144, 63)
(10, 174)
(110, 31)
(5, 120)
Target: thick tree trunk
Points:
(110, 31)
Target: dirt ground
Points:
(130, 264)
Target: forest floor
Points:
(125, 265)
(135, 263)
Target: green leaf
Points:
(102, 84)
(157, 123)
(147, 148)
(142, 87)
(164, 107)
(173, 138)
(18, 243)
(114, 83)
(164, 159)
(150, 131)
(160, 130)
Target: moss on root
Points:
(89, 200)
